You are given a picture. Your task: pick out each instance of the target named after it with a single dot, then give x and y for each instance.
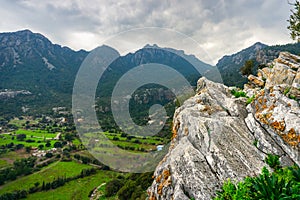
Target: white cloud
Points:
(221, 27)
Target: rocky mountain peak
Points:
(20, 38)
(217, 136)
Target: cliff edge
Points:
(217, 136)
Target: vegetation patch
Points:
(238, 93)
(46, 174)
(250, 99)
(283, 183)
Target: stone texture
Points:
(216, 136)
(284, 70)
(256, 80)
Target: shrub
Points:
(238, 94)
(286, 90)
(48, 144)
(113, 187)
(292, 96)
(115, 138)
(49, 155)
(21, 137)
(250, 99)
(19, 146)
(126, 191)
(281, 184)
(123, 135)
(273, 161)
(255, 142)
(57, 145)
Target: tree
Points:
(36, 184)
(57, 145)
(19, 146)
(21, 137)
(126, 191)
(294, 22)
(48, 155)
(113, 187)
(28, 149)
(247, 68)
(69, 137)
(48, 144)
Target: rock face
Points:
(217, 136)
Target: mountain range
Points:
(37, 75)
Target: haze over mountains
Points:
(39, 75)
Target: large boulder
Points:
(217, 136)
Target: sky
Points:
(217, 27)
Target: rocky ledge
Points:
(217, 136)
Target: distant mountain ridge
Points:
(229, 65)
(31, 62)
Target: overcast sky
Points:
(220, 27)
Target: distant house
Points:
(159, 147)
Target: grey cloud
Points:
(220, 26)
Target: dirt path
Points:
(57, 136)
(97, 194)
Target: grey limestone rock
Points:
(217, 136)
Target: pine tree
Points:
(294, 22)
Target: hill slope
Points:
(29, 61)
(37, 75)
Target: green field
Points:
(19, 123)
(148, 143)
(3, 163)
(47, 174)
(8, 158)
(36, 133)
(7, 139)
(85, 153)
(76, 142)
(77, 189)
(39, 137)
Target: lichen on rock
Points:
(214, 134)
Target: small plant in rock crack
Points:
(273, 161)
(238, 93)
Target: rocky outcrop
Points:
(217, 136)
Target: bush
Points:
(238, 94)
(57, 145)
(21, 137)
(273, 161)
(281, 184)
(113, 187)
(123, 135)
(127, 190)
(49, 155)
(250, 99)
(137, 193)
(48, 144)
(286, 90)
(137, 141)
(19, 146)
(115, 138)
